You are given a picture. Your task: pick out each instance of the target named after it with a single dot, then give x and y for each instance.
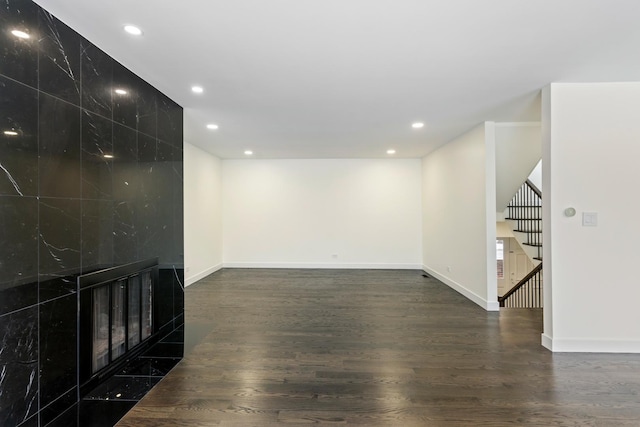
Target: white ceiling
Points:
(346, 78)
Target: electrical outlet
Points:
(334, 256)
(449, 268)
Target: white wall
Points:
(536, 174)
(322, 213)
(504, 230)
(202, 213)
(591, 153)
(518, 150)
(459, 217)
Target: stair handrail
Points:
(534, 188)
(520, 284)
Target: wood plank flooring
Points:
(375, 348)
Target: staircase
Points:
(524, 213)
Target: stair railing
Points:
(527, 293)
(526, 209)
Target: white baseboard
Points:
(310, 265)
(547, 342)
(194, 278)
(574, 345)
(487, 305)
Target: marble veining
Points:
(125, 164)
(59, 59)
(169, 122)
(59, 236)
(125, 107)
(18, 249)
(97, 80)
(58, 347)
(97, 157)
(147, 110)
(18, 151)
(124, 233)
(57, 285)
(19, 366)
(11, 180)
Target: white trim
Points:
(575, 345)
(321, 265)
(518, 124)
(487, 305)
(547, 342)
(192, 279)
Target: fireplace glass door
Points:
(101, 305)
(122, 317)
(134, 311)
(117, 319)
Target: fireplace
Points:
(116, 318)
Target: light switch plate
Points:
(589, 219)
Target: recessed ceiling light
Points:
(417, 125)
(120, 91)
(197, 89)
(11, 132)
(108, 156)
(248, 152)
(132, 29)
(391, 151)
(212, 126)
(20, 34)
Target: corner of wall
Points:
(202, 274)
(488, 305)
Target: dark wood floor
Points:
(375, 348)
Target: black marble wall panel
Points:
(178, 205)
(89, 178)
(178, 295)
(125, 103)
(18, 139)
(125, 232)
(18, 246)
(59, 148)
(59, 237)
(19, 366)
(164, 312)
(58, 347)
(97, 234)
(126, 178)
(169, 122)
(18, 56)
(51, 414)
(97, 80)
(59, 59)
(147, 112)
(97, 157)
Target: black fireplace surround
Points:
(116, 319)
(90, 179)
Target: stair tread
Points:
(537, 258)
(537, 245)
(529, 231)
(524, 206)
(525, 219)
